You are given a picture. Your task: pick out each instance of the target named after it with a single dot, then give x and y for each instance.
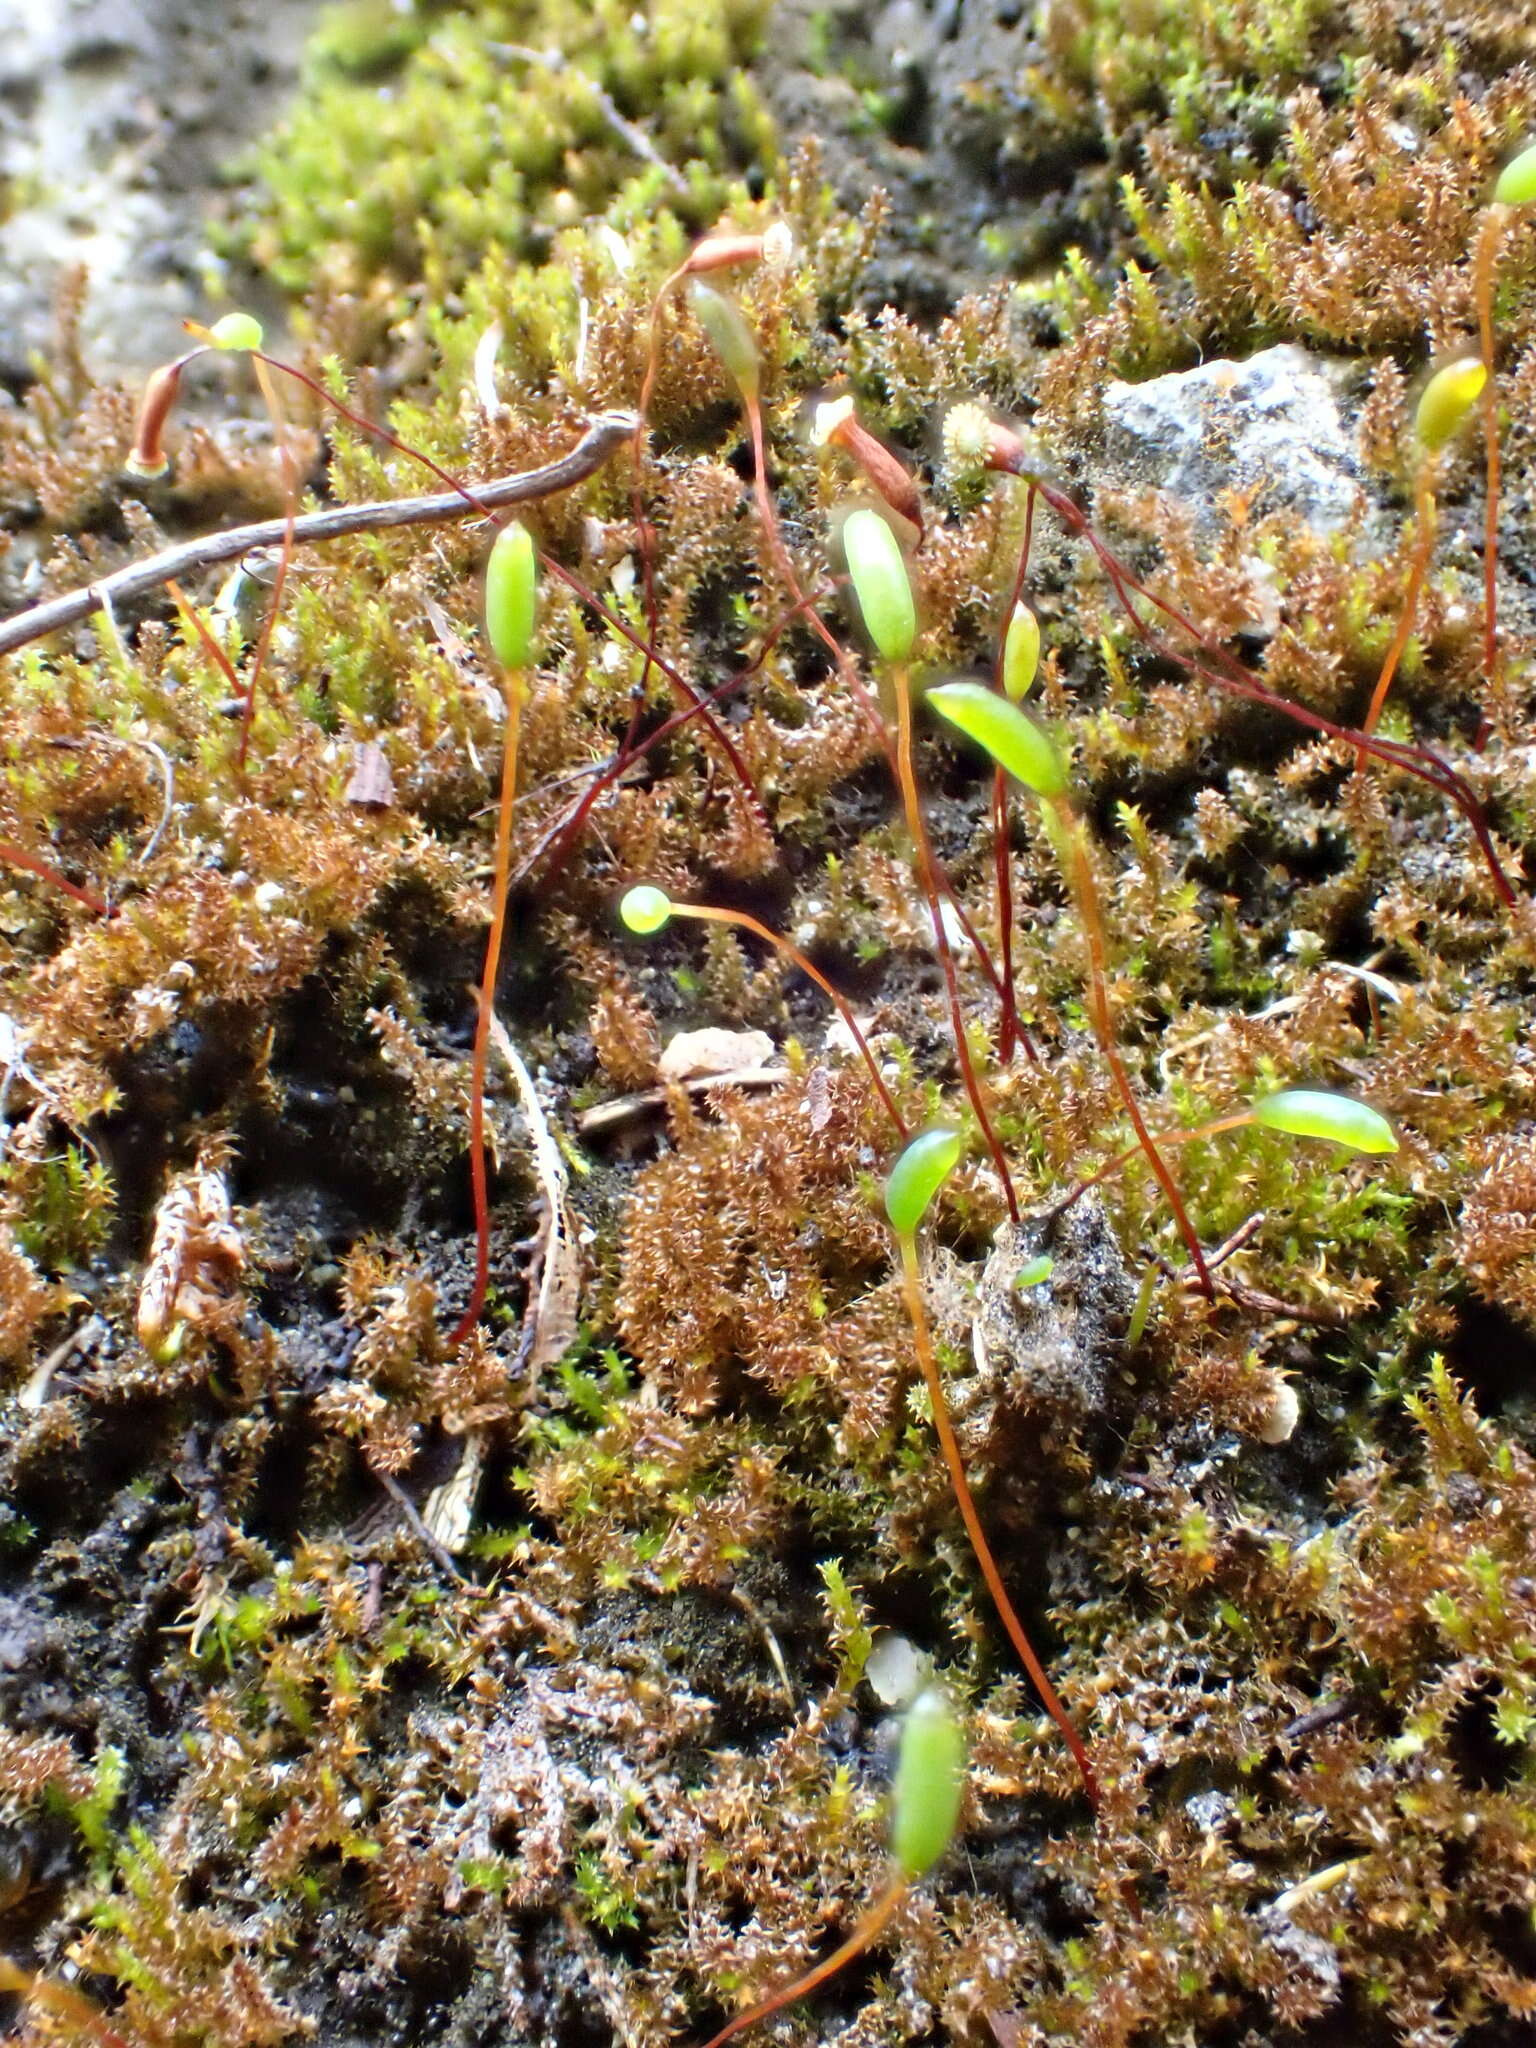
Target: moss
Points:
(520, 1684)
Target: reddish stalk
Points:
(18, 857)
(285, 555)
(679, 683)
(1490, 236)
(1418, 568)
(712, 914)
(933, 883)
(926, 866)
(500, 890)
(1412, 759)
(1085, 889)
(912, 1291)
(868, 1930)
(1009, 1031)
(1237, 1121)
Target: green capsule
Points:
(236, 331)
(645, 909)
(1013, 739)
(930, 1783)
(1447, 399)
(920, 1171)
(511, 595)
(729, 335)
(1021, 653)
(1317, 1113)
(880, 583)
(1516, 185)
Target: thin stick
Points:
(712, 914)
(912, 1291)
(500, 885)
(870, 1926)
(927, 871)
(606, 432)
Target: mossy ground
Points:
(275, 1764)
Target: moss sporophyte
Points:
(920, 577)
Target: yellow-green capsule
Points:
(881, 584)
(1013, 739)
(729, 335)
(1447, 399)
(236, 331)
(1318, 1113)
(930, 1783)
(511, 595)
(645, 909)
(1021, 653)
(1516, 183)
(921, 1169)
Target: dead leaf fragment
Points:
(195, 1261)
(371, 784)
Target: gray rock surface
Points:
(1272, 423)
(116, 120)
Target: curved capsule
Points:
(511, 595)
(880, 583)
(236, 331)
(1021, 653)
(729, 335)
(1516, 183)
(930, 1783)
(1317, 1113)
(921, 1169)
(1447, 399)
(1013, 739)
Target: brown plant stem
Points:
(500, 889)
(709, 913)
(922, 847)
(870, 1926)
(604, 433)
(912, 1293)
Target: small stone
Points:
(695, 1054)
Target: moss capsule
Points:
(1516, 183)
(236, 331)
(920, 1171)
(930, 1783)
(729, 335)
(1013, 739)
(1021, 653)
(1447, 399)
(645, 909)
(880, 583)
(1316, 1113)
(511, 592)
